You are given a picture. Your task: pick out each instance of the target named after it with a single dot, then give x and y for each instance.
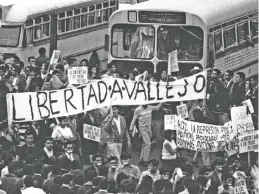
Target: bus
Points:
(205, 33)
(76, 27)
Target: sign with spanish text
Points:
(241, 121)
(182, 111)
(249, 104)
(78, 75)
(173, 61)
(248, 141)
(92, 133)
(201, 137)
(55, 57)
(169, 122)
(240, 183)
(31, 106)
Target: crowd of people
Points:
(56, 158)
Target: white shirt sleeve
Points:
(54, 134)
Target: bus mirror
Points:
(106, 42)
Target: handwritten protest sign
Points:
(201, 137)
(240, 183)
(78, 75)
(55, 57)
(92, 132)
(241, 121)
(32, 106)
(173, 61)
(249, 104)
(169, 122)
(182, 111)
(248, 141)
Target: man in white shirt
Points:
(62, 131)
(29, 189)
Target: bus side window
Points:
(254, 28)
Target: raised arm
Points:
(157, 107)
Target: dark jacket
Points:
(64, 190)
(66, 163)
(8, 183)
(42, 156)
(25, 151)
(237, 94)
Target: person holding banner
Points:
(62, 133)
(143, 114)
(116, 129)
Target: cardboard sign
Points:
(55, 57)
(241, 121)
(182, 111)
(248, 141)
(249, 104)
(78, 75)
(169, 122)
(92, 133)
(201, 137)
(31, 106)
(173, 61)
(240, 183)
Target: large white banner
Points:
(201, 137)
(32, 106)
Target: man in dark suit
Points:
(254, 82)
(66, 186)
(47, 151)
(116, 129)
(66, 160)
(89, 147)
(39, 131)
(103, 186)
(228, 76)
(237, 94)
(28, 148)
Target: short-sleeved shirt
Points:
(144, 115)
(62, 133)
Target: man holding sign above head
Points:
(116, 129)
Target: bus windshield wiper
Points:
(190, 33)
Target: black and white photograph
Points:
(129, 97)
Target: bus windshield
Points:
(9, 36)
(133, 41)
(187, 40)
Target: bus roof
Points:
(21, 9)
(212, 12)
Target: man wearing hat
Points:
(218, 165)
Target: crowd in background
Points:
(56, 158)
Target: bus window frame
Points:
(34, 25)
(19, 36)
(238, 21)
(87, 13)
(143, 25)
